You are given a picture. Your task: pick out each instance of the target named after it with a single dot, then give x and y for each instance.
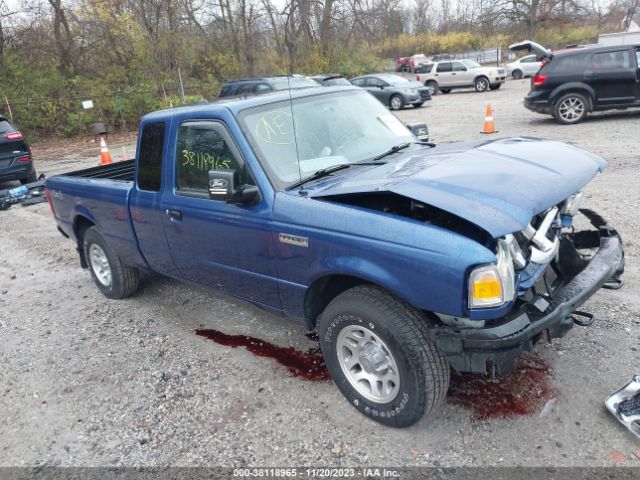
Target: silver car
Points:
(393, 90)
(445, 76)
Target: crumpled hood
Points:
(497, 185)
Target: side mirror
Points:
(224, 185)
(420, 130)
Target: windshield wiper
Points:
(325, 172)
(402, 146)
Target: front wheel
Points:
(432, 87)
(570, 108)
(418, 105)
(495, 86)
(517, 74)
(380, 353)
(114, 279)
(481, 84)
(396, 102)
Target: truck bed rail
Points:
(116, 171)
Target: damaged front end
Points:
(542, 275)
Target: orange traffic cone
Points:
(105, 156)
(489, 126)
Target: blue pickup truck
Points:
(409, 258)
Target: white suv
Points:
(445, 76)
(524, 67)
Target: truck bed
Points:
(115, 171)
(100, 196)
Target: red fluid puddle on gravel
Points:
(524, 391)
(307, 365)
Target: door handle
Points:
(174, 215)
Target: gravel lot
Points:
(88, 381)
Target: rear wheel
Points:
(432, 87)
(380, 353)
(570, 108)
(517, 74)
(396, 102)
(481, 84)
(114, 279)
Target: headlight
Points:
(493, 285)
(409, 90)
(572, 204)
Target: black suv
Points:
(254, 86)
(574, 82)
(15, 155)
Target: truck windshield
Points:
(324, 130)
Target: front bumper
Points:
(497, 346)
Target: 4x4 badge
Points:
(294, 240)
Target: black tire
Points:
(418, 105)
(495, 86)
(571, 108)
(396, 102)
(445, 90)
(32, 177)
(124, 279)
(423, 373)
(481, 84)
(517, 74)
(432, 86)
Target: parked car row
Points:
(392, 90)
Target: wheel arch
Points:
(328, 286)
(81, 224)
(574, 87)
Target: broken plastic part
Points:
(625, 405)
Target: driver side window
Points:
(202, 146)
(638, 58)
(374, 82)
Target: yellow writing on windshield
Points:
(204, 161)
(275, 127)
